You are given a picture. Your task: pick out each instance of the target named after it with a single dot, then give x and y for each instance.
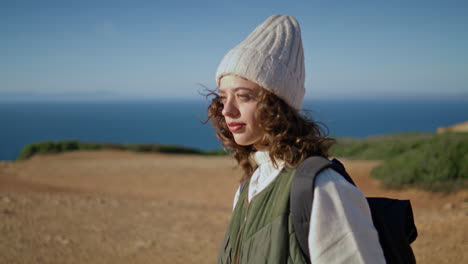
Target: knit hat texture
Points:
(271, 56)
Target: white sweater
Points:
(341, 228)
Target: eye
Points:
(244, 97)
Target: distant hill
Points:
(460, 127)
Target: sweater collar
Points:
(263, 158)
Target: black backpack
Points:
(392, 218)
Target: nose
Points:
(230, 108)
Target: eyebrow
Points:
(237, 89)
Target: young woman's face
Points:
(239, 97)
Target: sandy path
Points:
(119, 207)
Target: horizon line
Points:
(118, 96)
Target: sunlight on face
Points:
(239, 97)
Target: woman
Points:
(256, 114)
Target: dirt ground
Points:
(120, 207)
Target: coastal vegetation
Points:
(379, 147)
(48, 147)
(436, 162)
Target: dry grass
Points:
(120, 207)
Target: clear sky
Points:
(163, 49)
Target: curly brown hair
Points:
(289, 136)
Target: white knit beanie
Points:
(271, 56)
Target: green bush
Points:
(379, 147)
(39, 148)
(68, 145)
(174, 149)
(27, 152)
(438, 164)
(141, 147)
(89, 146)
(216, 152)
(72, 145)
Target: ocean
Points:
(180, 122)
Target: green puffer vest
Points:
(262, 231)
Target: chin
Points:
(241, 143)
(244, 141)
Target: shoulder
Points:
(329, 177)
(332, 188)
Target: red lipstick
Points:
(235, 127)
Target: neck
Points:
(261, 147)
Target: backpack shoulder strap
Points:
(339, 167)
(301, 198)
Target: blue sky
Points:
(163, 49)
